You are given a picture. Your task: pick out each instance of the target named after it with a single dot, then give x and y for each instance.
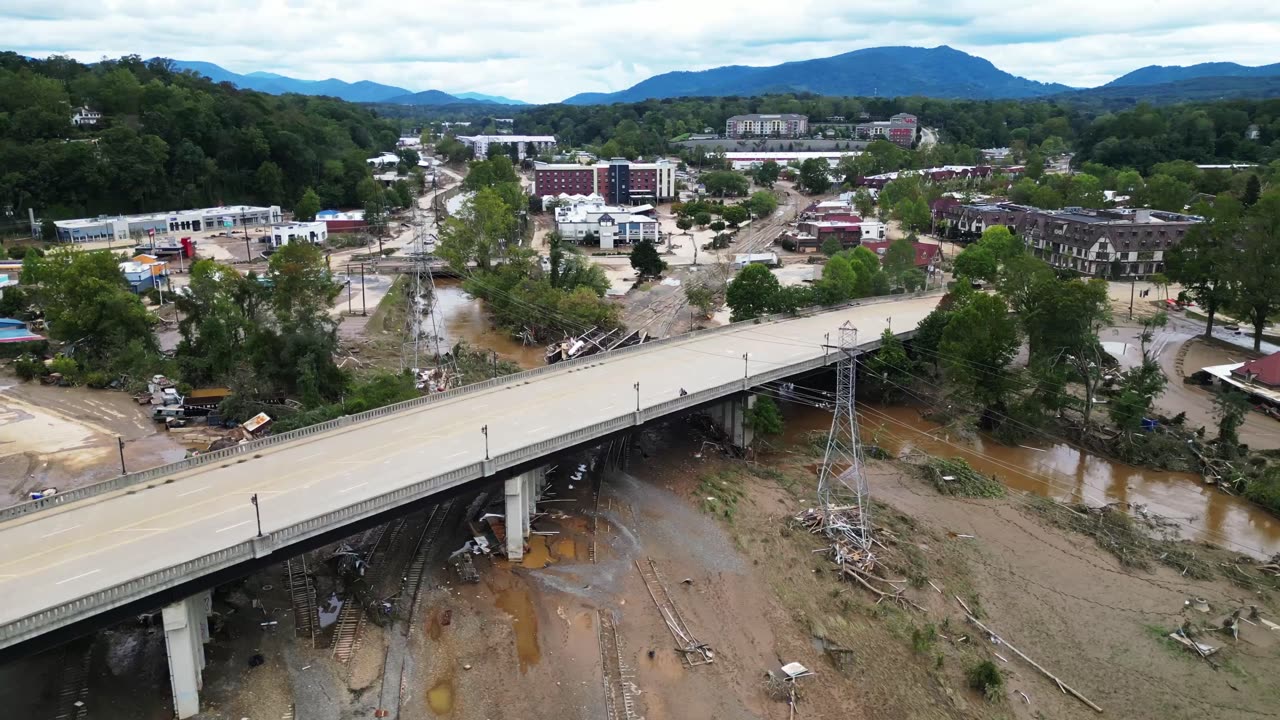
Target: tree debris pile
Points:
(954, 476)
(854, 555)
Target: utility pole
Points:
(364, 307)
(637, 387)
(746, 372)
(1133, 282)
(257, 512)
(485, 430)
(120, 442)
(495, 362)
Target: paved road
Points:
(54, 556)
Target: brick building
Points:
(757, 125)
(618, 181)
(900, 129)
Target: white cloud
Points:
(548, 50)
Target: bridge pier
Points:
(731, 416)
(186, 630)
(522, 503)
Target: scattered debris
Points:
(1198, 604)
(1001, 641)
(256, 659)
(692, 651)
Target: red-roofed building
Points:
(928, 256)
(1264, 371)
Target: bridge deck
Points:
(118, 541)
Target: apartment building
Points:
(758, 125)
(900, 129)
(526, 145)
(619, 181)
(1122, 243)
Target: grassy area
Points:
(720, 492)
(955, 477)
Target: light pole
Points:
(485, 430)
(120, 441)
(637, 387)
(257, 513)
(746, 372)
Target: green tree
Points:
(87, 304)
(270, 183)
(216, 322)
(725, 183)
(308, 205)
(839, 281)
(735, 215)
(898, 258)
(1062, 323)
(702, 219)
(752, 293)
(767, 173)
(1164, 192)
(979, 342)
(1252, 191)
(913, 213)
(48, 230)
(701, 297)
(477, 233)
(1255, 272)
(865, 205)
(1198, 263)
(914, 280)
(831, 246)
(646, 261)
(815, 175)
(763, 203)
(1231, 407)
(764, 417)
(717, 226)
(977, 262)
(1002, 243)
(890, 370)
(684, 224)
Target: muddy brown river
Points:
(1062, 472)
(466, 318)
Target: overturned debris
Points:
(594, 340)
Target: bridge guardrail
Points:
(143, 476)
(163, 579)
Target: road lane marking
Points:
(193, 492)
(353, 487)
(77, 577)
(460, 452)
(141, 530)
(233, 527)
(607, 407)
(534, 430)
(59, 532)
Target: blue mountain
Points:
(1161, 74)
(941, 72)
(481, 97)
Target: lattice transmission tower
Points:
(842, 484)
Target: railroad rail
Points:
(692, 651)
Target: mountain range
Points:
(362, 91)
(941, 72)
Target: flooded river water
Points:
(1054, 470)
(1063, 472)
(466, 318)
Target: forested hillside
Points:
(1140, 137)
(169, 140)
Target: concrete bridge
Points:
(91, 556)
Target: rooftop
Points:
(771, 116)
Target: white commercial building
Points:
(385, 159)
(312, 232)
(84, 117)
(749, 160)
(125, 228)
(613, 225)
(526, 145)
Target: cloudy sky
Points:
(547, 50)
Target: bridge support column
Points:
(731, 416)
(186, 630)
(522, 504)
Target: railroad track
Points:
(73, 686)
(351, 618)
(290, 713)
(303, 596)
(417, 569)
(692, 651)
(618, 702)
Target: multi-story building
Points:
(900, 129)
(757, 125)
(618, 181)
(126, 227)
(526, 145)
(1122, 243)
(284, 233)
(958, 220)
(611, 225)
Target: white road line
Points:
(139, 529)
(307, 457)
(77, 577)
(193, 492)
(59, 532)
(233, 527)
(463, 452)
(534, 430)
(353, 487)
(608, 407)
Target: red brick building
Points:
(618, 181)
